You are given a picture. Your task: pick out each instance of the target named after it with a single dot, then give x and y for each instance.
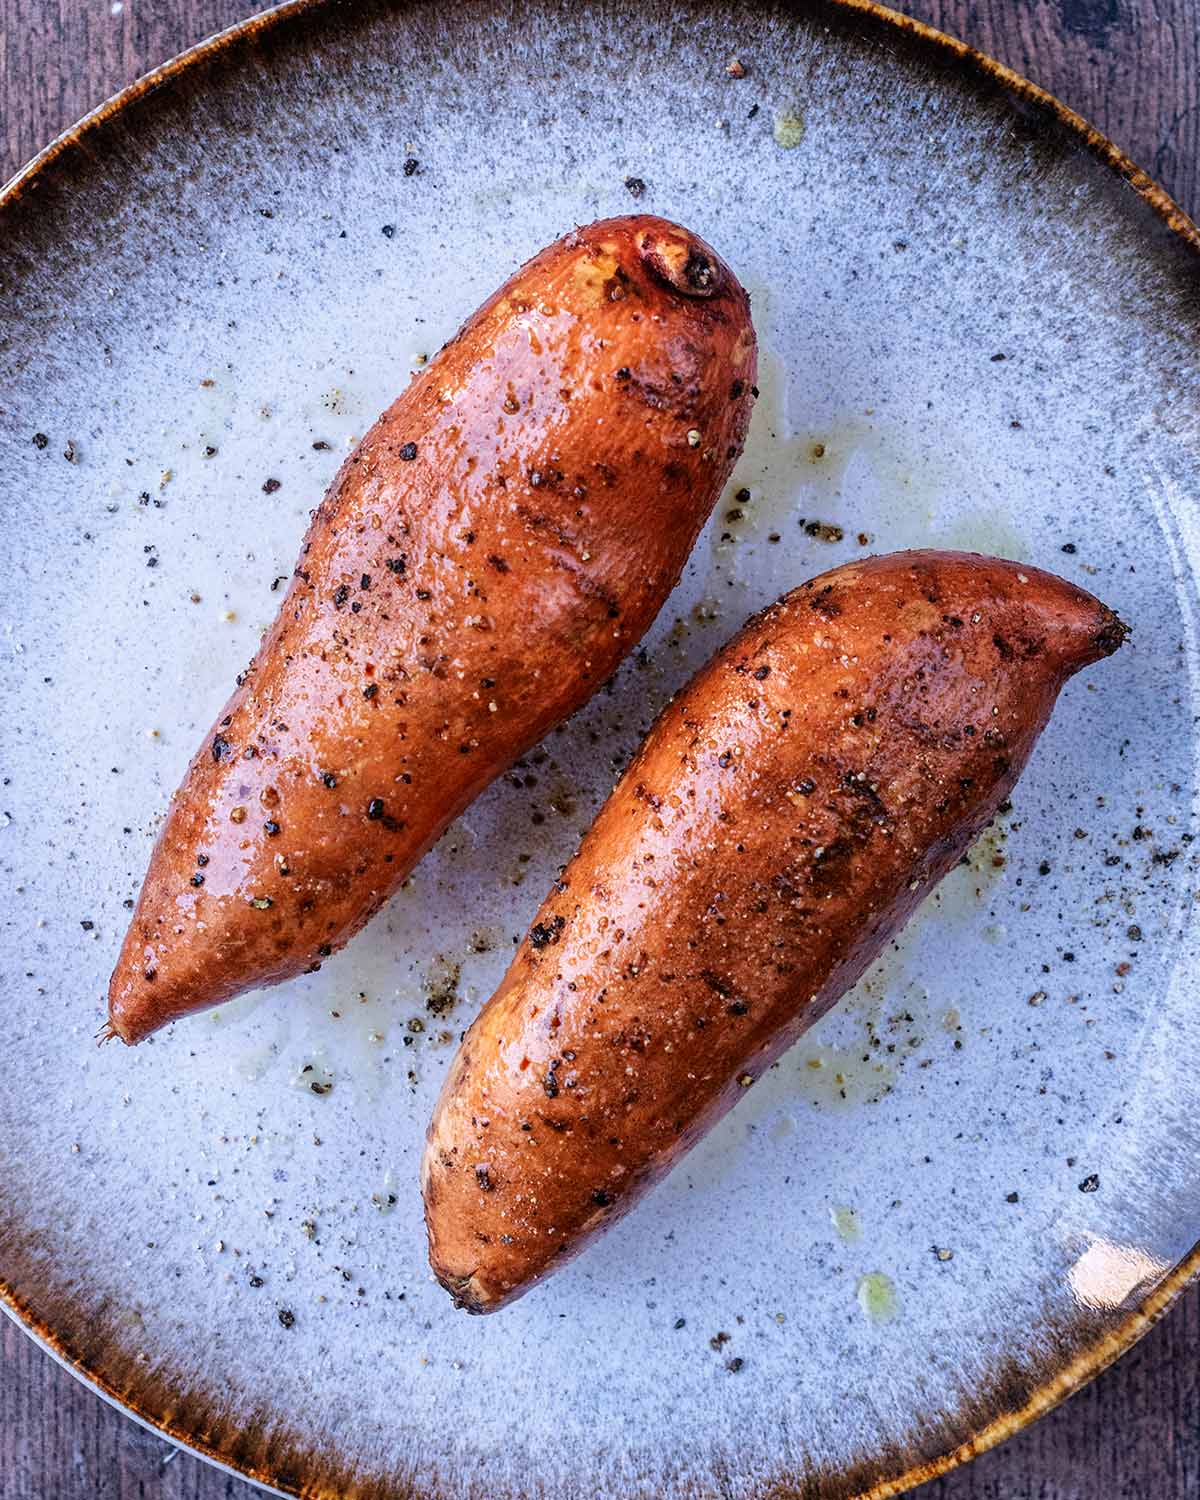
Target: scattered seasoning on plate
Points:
(287, 1317)
(824, 531)
(1090, 1184)
(270, 486)
(411, 166)
(635, 186)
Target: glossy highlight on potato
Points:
(782, 820)
(496, 544)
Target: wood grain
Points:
(1130, 66)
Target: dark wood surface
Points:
(1130, 66)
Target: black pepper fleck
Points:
(542, 934)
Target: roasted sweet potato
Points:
(782, 820)
(496, 544)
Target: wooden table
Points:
(1130, 66)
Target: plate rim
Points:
(1114, 1342)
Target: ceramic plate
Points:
(973, 1183)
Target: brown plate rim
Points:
(1087, 1364)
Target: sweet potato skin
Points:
(782, 820)
(493, 548)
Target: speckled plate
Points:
(974, 1183)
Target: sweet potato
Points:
(782, 820)
(496, 544)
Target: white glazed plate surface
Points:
(978, 1167)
